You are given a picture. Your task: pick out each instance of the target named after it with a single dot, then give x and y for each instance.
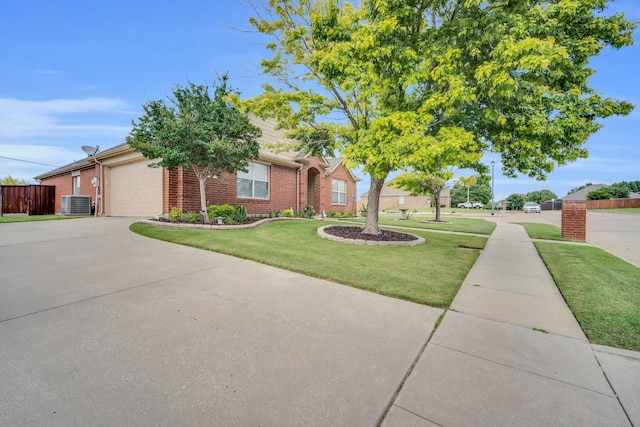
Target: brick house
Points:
(274, 181)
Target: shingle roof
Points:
(582, 194)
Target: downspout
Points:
(99, 191)
(298, 187)
(101, 186)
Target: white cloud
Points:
(58, 117)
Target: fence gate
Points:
(27, 199)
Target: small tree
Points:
(619, 190)
(478, 189)
(602, 193)
(9, 180)
(197, 132)
(515, 201)
(419, 183)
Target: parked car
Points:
(531, 207)
(474, 205)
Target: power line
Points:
(28, 161)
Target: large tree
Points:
(196, 131)
(389, 83)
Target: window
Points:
(254, 183)
(338, 192)
(75, 183)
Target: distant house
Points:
(274, 181)
(581, 195)
(391, 198)
(633, 201)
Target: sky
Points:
(77, 72)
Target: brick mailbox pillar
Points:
(574, 221)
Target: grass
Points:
(542, 231)
(462, 225)
(620, 211)
(428, 274)
(422, 209)
(602, 290)
(32, 218)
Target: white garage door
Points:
(134, 189)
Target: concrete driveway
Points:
(99, 326)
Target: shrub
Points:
(287, 213)
(363, 211)
(192, 217)
(220, 211)
(240, 213)
(175, 214)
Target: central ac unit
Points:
(76, 205)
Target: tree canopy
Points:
(392, 84)
(515, 201)
(479, 190)
(540, 196)
(196, 131)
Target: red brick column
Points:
(574, 221)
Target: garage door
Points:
(134, 189)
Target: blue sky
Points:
(76, 72)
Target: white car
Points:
(531, 207)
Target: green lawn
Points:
(602, 290)
(542, 231)
(429, 274)
(620, 211)
(462, 225)
(31, 218)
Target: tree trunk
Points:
(373, 203)
(436, 197)
(203, 198)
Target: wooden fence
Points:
(612, 204)
(27, 199)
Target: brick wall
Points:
(183, 191)
(64, 185)
(341, 173)
(574, 221)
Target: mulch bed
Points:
(248, 220)
(354, 232)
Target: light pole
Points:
(493, 163)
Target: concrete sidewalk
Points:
(510, 352)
